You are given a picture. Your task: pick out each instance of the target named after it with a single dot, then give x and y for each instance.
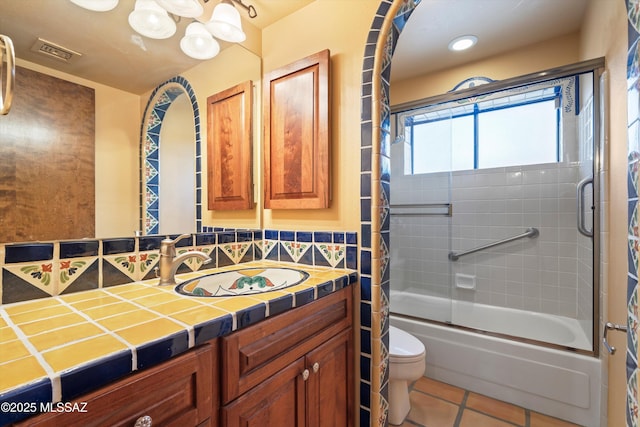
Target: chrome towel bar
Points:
(422, 209)
(531, 232)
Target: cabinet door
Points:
(229, 149)
(330, 384)
(296, 123)
(176, 393)
(277, 402)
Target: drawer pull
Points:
(305, 374)
(316, 367)
(143, 421)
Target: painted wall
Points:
(116, 151)
(605, 34)
(232, 66)
(178, 165)
(342, 27)
(537, 57)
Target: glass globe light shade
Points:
(185, 8)
(225, 23)
(198, 43)
(152, 21)
(96, 5)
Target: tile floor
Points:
(436, 404)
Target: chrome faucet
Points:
(169, 262)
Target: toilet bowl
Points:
(406, 365)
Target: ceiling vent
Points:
(53, 50)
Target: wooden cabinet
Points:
(328, 388)
(229, 148)
(278, 401)
(180, 392)
(295, 369)
(297, 135)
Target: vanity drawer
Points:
(256, 353)
(179, 392)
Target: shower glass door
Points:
(492, 210)
(421, 157)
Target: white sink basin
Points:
(244, 281)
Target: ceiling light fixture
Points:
(462, 43)
(157, 19)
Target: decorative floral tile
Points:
(73, 269)
(296, 250)
(40, 274)
(127, 264)
(384, 363)
(235, 251)
(384, 411)
(271, 250)
(333, 254)
(632, 399)
(196, 263)
(634, 166)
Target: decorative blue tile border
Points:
(157, 106)
(39, 270)
(374, 202)
(633, 168)
(320, 248)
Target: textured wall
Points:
(47, 188)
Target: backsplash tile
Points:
(39, 270)
(79, 269)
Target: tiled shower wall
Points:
(38, 270)
(538, 274)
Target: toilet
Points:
(406, 365)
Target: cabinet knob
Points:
(143, 421)
(316, 367)
(305, 374)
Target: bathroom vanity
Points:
(291, 367)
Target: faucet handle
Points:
(177, 239)
(168, 246)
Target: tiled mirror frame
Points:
(387, 25)
(159, 102)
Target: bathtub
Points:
(559, 383)
(558, 330)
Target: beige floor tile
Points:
(439, 389)
(496, 408)
(476, 419)
(430, 411)
(539, 420)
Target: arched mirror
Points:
(170, 134)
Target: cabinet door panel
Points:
(330, 385)
(296, 118)
(254, 354)
(277, 402)
(229, 149)
(176, 393)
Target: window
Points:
(518, 129)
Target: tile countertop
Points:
(54, 349)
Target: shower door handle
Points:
(611, 327)
(580, 197)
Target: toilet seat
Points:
(404, 347)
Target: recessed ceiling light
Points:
(462, 43)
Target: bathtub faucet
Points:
(169, 262)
